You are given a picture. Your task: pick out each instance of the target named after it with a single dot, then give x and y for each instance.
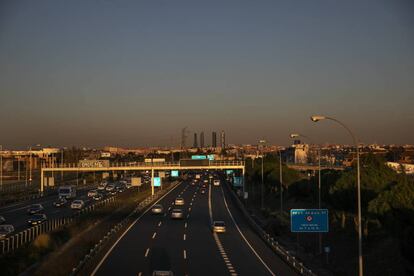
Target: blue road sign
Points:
(157, 181)
(309, 220)
(237, 181)
(174, 173)
(198, 157)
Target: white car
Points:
(216, 182)
(5, 229)
(177, 214)
(157, 209)
(92, 193)
(179, 201)
(110, 188)
(77, 204)
(218, 227)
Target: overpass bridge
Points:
(183, 165)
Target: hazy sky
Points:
(133, 73)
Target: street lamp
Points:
(262, 142)
(296, 135)
(317, 118)
(281, 181)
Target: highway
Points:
(16, 213)
(188, 246)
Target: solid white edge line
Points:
(244, 238)
(123, 234)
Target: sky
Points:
(134, 73)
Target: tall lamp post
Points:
(317, 118)
(281, 181)
(296, 135)
(262, 142)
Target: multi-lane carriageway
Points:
(188, 246)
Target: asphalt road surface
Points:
(188, 246)
(16, 213)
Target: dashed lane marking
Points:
(146, 252)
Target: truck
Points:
(67, 192)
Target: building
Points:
(298, 153)
(195, 144)
(223, 140)
(202, 139)
(214, 139)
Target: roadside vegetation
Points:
(387, 214)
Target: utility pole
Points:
(281, 181)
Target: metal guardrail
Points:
(270, 241)
(117, 227)
(17, 240)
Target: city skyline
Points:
(96, 75)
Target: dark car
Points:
(60, 202)
(35, 208)
(37, 219)
(98, 196)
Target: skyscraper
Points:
(214, 139)
(202, 139)
(195, 144)
(223, 140)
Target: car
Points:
(37, 219)
(162, 273)
(203, 191)
(177, 214)
(60, 202)
(35, 208)
(120, 188)
(110, 187)
(157, 209)
(205, 180)
(6, 229)
(98, 196)
(216, 182)
(103, 185)
(179, 201)
(218, 226)
(77, 204)
(92, 193)
(2, 220)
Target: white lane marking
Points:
(223, 253)
(139, 274)
(188, 215)
(189, 209)
(126, 231)
(153, 236)
(159, 223)
(146, 252)
(185, 254)
(244, 238)
(185, 225)
(184, 237)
